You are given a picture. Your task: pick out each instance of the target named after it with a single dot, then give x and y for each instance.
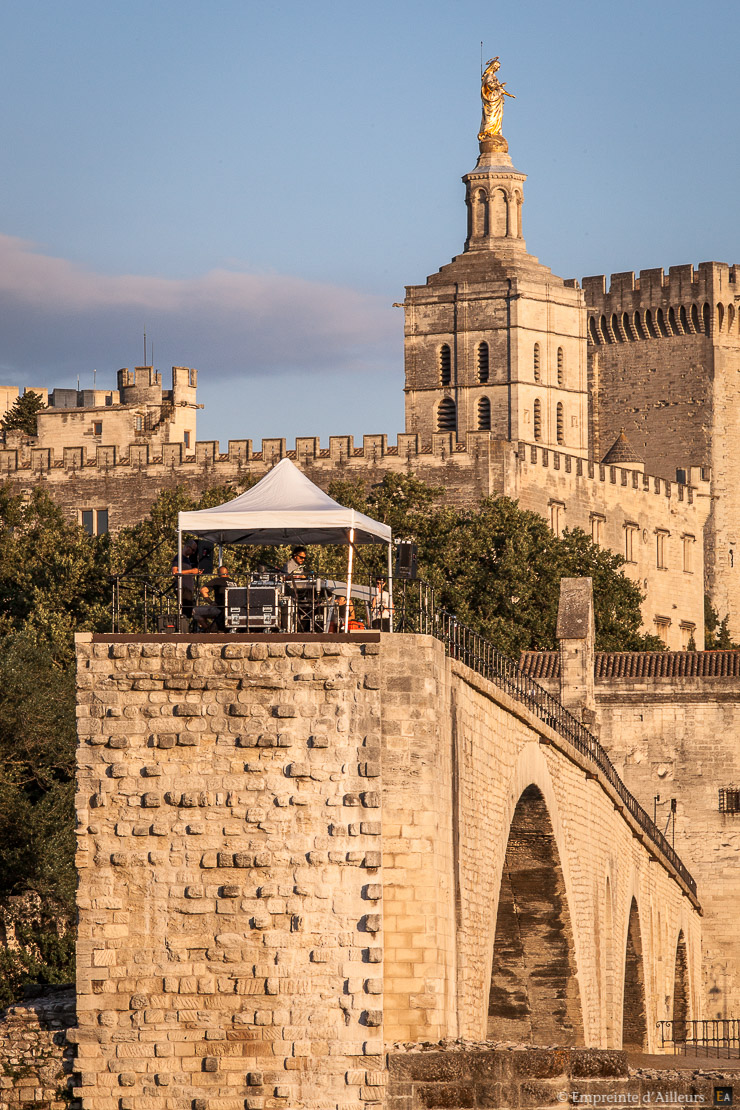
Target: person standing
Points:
(380, 607)
(187, 573)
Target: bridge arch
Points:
(535, 992)
(634, 1007)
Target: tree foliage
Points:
(21, 416)
(494, 565)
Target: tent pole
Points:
(349, 578)
(179, 577)
(390, 587)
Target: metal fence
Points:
(718, 1037)
(416, 611)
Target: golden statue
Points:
(492, 93)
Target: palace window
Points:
(561, 366)
(631, 531)
(538, 419)
(94, 521)
(560, 424)
(687, 629)
(483, 363)
(186, 440)
(536, 363)
(557, 513)
(98, 428)
(446, 415)
(661, 537)
(597, 528)
(484, 415)
(662, 628)
(687, 543)
(729, 799)
(445, 364)
(138, 423)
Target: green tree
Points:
(21, 417)
(717, 632)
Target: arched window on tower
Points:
(446, 415)
(561, 366)
(538, 419)
(483, 363)
(480, 213)
(484, 415)
(536, 363)
(445, 364)
(560, 424)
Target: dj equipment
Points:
(258, 608)
(170, 623)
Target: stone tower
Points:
(664, 358)
(495, 341)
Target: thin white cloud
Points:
(56, 315)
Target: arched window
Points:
(482, 363)
(705, 316)
(649, 324)
(662, 324)
(672, 321)
(695, 318)
(617, 331)
(593, 334)
(684, 320)
(720, 316)
(560, 424)
(538, 419)
(606, 331)
(445, 364)
(484, 415)
(446, 415)
(536, 363)
(638, 326)
(561, 365)
(480, 214)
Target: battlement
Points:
(686, 301)
(533, 454)
(241, 453)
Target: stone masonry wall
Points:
(290, 854)
(678, 737)
(36, 1056)
(230, 944)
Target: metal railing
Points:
(718, 1037)
(416, 611)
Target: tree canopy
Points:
(495, 565)
(21, 416)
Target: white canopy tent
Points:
(286, 507)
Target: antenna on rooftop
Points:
(95, 378)
(145, 362)
(78, 383)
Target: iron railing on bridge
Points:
(416, 611)
(708, 1037)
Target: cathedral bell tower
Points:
(495, 342)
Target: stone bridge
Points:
(295, 853)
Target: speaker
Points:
(406, 560)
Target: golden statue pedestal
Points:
(493, 143)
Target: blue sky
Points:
(256, 183)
